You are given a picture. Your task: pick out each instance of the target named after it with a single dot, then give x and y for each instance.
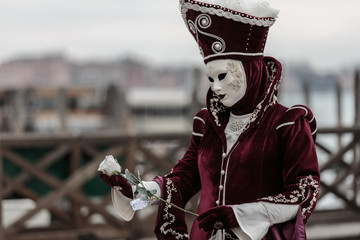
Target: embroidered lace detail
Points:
(272, 70)
(237, 123)
(270, 94)
(170, 188)
(236, 71)
(227, 13)
(215, 108)
(299, 195)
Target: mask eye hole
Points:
(211, 79)
(221, 76)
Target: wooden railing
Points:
(39, 158)
(340, 177)
(340, 173)
(68, 164)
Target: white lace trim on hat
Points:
(256, 8)
(233, 53)
(236, 15)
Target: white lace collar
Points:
(237, 123)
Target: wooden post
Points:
(124, 117)
(195, 104)
(357, 98)
(10, 125)
(356, 161)
(306, 89)
(75, 164)
(62, 109)
(356, 123)
(19, 110)
(113, 107)
(130, 161)
(29, 112)
(130, 164)
(2, 230)
(339, 110)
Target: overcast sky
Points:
(324, 32)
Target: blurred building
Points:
(57, 70)
(54, 93)
(29, 71)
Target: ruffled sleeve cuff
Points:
(122, 205)
(252, 219)
(255, 218)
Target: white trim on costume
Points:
(233, 53)
(299, 107)
(199, 118)
(312, 119)
(198, 134)
(284, 124)
(314, 132)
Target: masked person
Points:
(253, 159)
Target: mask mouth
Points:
(221, 96)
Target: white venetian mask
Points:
(227, 80)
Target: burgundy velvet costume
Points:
(273, 160)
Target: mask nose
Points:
(216, 86)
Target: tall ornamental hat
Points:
(229, 29)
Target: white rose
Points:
(110, 166)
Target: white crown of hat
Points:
(256, 8)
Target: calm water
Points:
(324, 106)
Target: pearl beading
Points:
(215, 108)
(166, 227)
